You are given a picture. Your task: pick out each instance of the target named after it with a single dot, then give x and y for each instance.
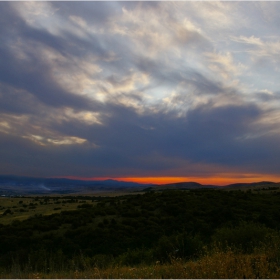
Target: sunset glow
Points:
(203, 181)
(248, 178)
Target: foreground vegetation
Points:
(169, 234)
(263, 263)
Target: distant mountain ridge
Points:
(19, 185)
(254, 184)
(235, 185)
(188, 185)
(21, 179)
(14, 185)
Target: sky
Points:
(152, 92)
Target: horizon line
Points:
(162, 180)
(173, 180)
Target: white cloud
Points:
(43, 141)
(66, 141)
(79, 21)
(82, 116)
(260, 47)
(225, 66)
(4, 127)
(40, 15)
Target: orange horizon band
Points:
(220, 181)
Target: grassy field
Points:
(23, 207)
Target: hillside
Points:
(141, 229)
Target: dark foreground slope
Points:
(135, 229)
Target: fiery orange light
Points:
(220, 181)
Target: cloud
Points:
(268, 48)
(224, 65)
(137, 88)
(212, 135)
(35, 78)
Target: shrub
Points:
(245, 236)
(181, 245)
(85, 205)
(136, 256)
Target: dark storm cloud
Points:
(15, 102)
(34, 75)
(207, 134)
(36, 79)
(264, 96)
(23, 157)
(213, 132)
(9, 20)
(71, 45)
(126, 140)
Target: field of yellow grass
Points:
(216, 264)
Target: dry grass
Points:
(214, 265)
(45, 209)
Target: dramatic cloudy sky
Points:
(171, 90)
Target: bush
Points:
(85, 205)
(8, 211)
(181, 245)
(136, 256)
(244, 236)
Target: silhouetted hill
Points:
(195, 185)
(16, 185)
(252, 185)
(185, 185)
